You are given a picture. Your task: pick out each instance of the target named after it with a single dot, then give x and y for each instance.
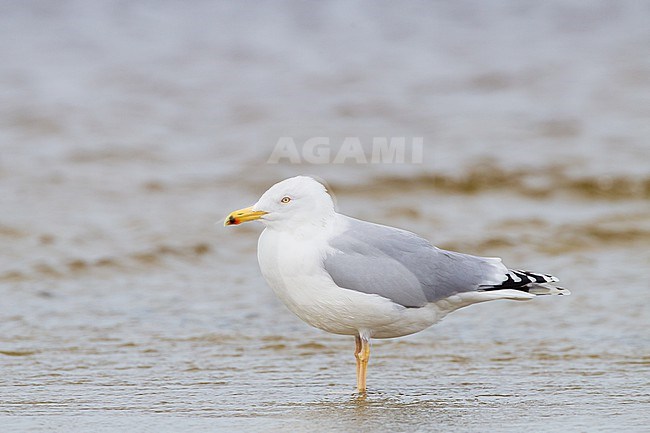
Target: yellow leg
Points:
(363, 355)
(357, 351)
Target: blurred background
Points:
(128, 130)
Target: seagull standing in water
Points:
(352, 277)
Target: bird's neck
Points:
(317, 225)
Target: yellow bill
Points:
(243, 215)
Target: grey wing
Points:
(404, 267)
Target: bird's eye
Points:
(285, 200)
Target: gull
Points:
(352, 277)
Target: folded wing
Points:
(403, 267)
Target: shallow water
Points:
(129, 132)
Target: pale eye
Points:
(285, 200)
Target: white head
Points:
(294, 202)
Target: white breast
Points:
(292, 268)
